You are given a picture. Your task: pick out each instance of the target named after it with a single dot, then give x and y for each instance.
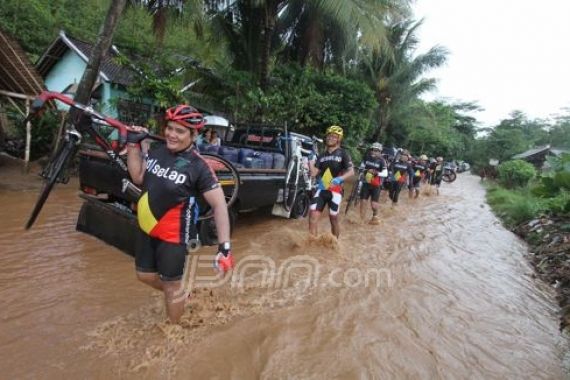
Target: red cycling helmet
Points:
(186, 116)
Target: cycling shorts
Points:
(416, 182)
(323, 198)
(369, 191)
(158, 256)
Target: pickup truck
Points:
(272, 167)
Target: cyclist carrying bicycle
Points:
(401, 170)
(374, 170)
(331, 169)
(421, 171)
(172, 176)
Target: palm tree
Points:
(162, 10)
(308, 32)
(396, 75)
(320, 32)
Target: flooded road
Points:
(439, 290)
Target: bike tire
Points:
(227, 177)
(55, 167)
(449, 177)
(352, 199)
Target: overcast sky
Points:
(504, 54)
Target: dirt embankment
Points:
(549, 240)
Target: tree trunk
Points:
(104, 40)
(382, 125)
(268, 29)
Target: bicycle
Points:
(82, 124)
(298, 170)
(449, 174)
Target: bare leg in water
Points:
(172, 294)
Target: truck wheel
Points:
(208, 232)
(301, 207)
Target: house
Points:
(63, 63)
(537, 156)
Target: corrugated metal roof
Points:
(17, 74)
(543, 149)
(110, 70)
(532, 152)
(559, 151)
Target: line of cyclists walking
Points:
(389, 169)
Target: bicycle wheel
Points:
(229, 179)
(353, 198)
(449, 177)
(51, 174)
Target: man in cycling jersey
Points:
(172, 176)
(331, 169)
(373, 169)
(420, 172)
(401, 171)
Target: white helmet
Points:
(376, 145)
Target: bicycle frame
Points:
(113, 154)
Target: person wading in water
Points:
(172, 176)
(331, 169)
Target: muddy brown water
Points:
(439, 290)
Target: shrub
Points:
(516, 173)
(514, 206)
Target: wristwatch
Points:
(225, 247)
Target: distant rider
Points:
(401, 170)
(331, 169)
(436, 173)
(420, 172)
(374, 170)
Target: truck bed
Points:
(258, 187)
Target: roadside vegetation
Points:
(521, 194)
(306, 63)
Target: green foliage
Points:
(516, 173)
(514, 207)
(551, 183)
(44, 131)
(35, 23)
(308, 100)
(159, 81)
(559, 204)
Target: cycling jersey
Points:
(437, 173)
(168, 209)
(420, 171)
(332, 165)
(375, 164)
(401, 171)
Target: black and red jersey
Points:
(168, 208)
(332, 165)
